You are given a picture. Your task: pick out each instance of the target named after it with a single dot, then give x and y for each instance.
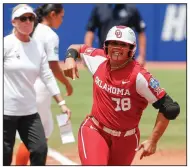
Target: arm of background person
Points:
(58, 73)
(89, 38)
(91, 27)
(140, 26)
(52, 51)
(142, 48)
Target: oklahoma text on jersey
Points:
(111, 89)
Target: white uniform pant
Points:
(44, 109)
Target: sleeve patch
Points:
(155, 85)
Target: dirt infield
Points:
(166, 65)
(161, 157)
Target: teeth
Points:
(116, 53)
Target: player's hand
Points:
(70, 68)
(66, 110)
(148, 147)
(141, 60)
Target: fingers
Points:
(69, 115)
(143, 154)
(67, 111)
(146, 153)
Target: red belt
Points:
(113, 132)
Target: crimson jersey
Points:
(119, 96)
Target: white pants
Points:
(44, 110)
(43, 99)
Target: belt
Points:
(113, 132)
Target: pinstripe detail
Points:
(83, 145)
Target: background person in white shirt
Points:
(48, 16)
(24, 61)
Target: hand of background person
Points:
(148, 147)
(66, 110)
(70, 68)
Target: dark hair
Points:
(44, 10)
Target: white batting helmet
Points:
(122, 34)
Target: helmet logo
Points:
(118, 33)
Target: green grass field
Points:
(174, 82)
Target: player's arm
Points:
(168, 110)
(70, 66)
(91, 57)
(159, 128)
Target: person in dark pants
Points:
(105, 16)
(31, 132)
(24, 61)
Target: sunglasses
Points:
(24, 18)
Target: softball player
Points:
(122, 89)
(48, 16)
(24, 61)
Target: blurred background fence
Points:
(166, 28)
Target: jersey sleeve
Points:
(148, 87)
(92, 57)
(52, 48)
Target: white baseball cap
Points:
(22, 10)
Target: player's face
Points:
(57, 19)
(24, 24)
(118, 52)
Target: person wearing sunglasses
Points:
(25, 18)
(24, 61)
(48, 16)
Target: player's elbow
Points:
(171, 111)
(168, 107)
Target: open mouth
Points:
(117, 53)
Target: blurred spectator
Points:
(105, 16)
